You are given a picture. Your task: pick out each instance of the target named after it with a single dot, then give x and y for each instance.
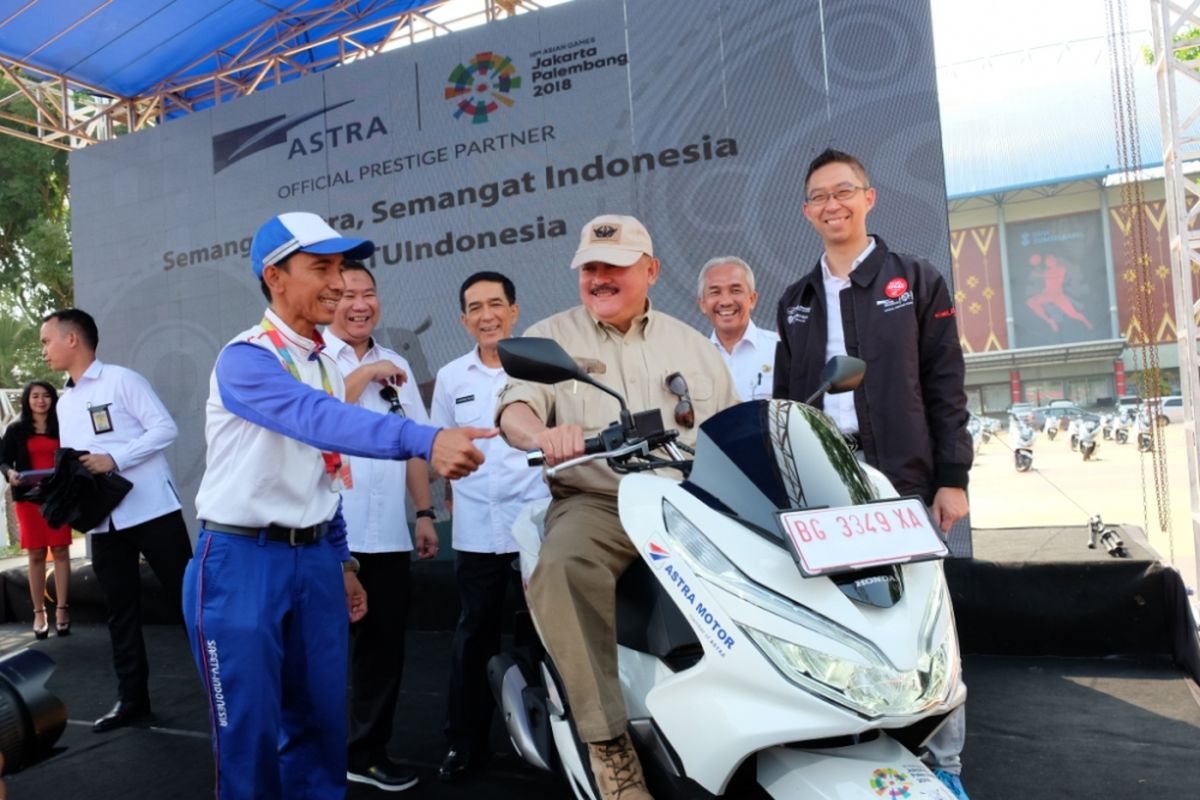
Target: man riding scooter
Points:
(625, 344)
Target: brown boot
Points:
(617, 770)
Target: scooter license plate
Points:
(828, 541)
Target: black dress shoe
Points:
(454, 765)
(123, 713)
(385, 775)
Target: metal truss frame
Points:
(1181, 142)
(59, 111)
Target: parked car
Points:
(1069, 412)
(1021, 410)
(1171, 407)
(1128, 401)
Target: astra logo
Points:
(232, 146)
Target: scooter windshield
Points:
(757, 458)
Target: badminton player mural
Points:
(1059, 291)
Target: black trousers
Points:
(165, 544)
(483, 580)
(377, 655)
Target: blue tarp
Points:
(127, 47)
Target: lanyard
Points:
(333, 461)
(277, 340)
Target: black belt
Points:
(274, 533)
(854, 441)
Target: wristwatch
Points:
(426, 513)
(351, 565)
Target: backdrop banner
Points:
(489, 149)
(1057, 270)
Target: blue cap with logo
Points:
(301, 232)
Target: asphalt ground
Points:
(1049, 728)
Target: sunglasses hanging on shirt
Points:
(685, 415)
(389, 394)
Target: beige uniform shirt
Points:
(635, 365)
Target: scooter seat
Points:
(649, 621)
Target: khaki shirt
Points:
(635, 365)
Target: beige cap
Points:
(613, 239)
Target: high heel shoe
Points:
(61, 628)
(44, 631)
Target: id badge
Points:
(101, 419)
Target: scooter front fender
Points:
(869, 771)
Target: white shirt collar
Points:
(477, 362)
(334, 345)
(870, 248)
(748, 335)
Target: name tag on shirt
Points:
(466, 398)
(101, 419)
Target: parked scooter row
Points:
(1142, 423)
(1084, 434)
(982, 429)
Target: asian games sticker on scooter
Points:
(911, 782)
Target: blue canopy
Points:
(130, 47)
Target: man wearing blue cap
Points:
(266, 592)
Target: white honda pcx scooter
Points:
(742, 677)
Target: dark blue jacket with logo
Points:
(898, 317)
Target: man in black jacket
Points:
(909, 415)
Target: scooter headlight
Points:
(873, 690)
(872, 687)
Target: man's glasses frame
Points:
(841, 194)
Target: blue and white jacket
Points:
(266, 431)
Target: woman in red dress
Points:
(29, 443)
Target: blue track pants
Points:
(268, 627)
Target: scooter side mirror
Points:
(843, 374)
(531, 358)
(840, 374)
(539, 360)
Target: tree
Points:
(1186, 54)
(35, 249)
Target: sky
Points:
(966, 30)
(1036, 75)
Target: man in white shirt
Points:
(113, 414)
(484, 506)
(727, 297)
(377, 529)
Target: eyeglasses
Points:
(685, 415)
(841, 195)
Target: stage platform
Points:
(1071, 721)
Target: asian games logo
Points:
(891, 783)
(482, 86)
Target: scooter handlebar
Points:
(591, 446)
